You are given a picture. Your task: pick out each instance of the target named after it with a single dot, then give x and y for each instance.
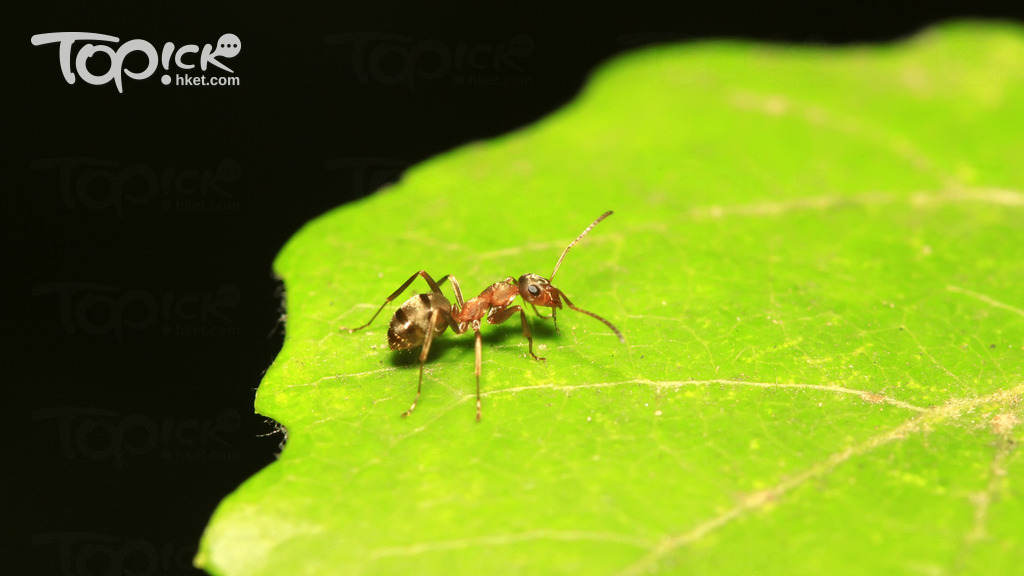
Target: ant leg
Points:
(499, 315)
(479, 363)
(539, 315)
(459, 302)
(553, 317)
(430, 281)
(434, 317)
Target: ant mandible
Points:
(425, 316)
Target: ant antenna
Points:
(573, 243)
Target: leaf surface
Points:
(816, 259)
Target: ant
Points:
(425, 316)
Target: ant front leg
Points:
(553, 316)
(434, 287)
(499, 315)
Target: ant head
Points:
(537, 290)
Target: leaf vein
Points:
(754, 501)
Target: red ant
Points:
(424, 316)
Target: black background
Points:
(140, 319)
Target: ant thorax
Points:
(497, 295)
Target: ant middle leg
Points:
(499, 315)
(459, 302)
(434, 287)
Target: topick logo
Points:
(185, 57)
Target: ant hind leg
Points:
(434, 287)
(434, 317)
(479, 364)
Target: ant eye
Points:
(534, 291)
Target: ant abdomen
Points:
(411, 321)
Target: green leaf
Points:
(816, 259)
